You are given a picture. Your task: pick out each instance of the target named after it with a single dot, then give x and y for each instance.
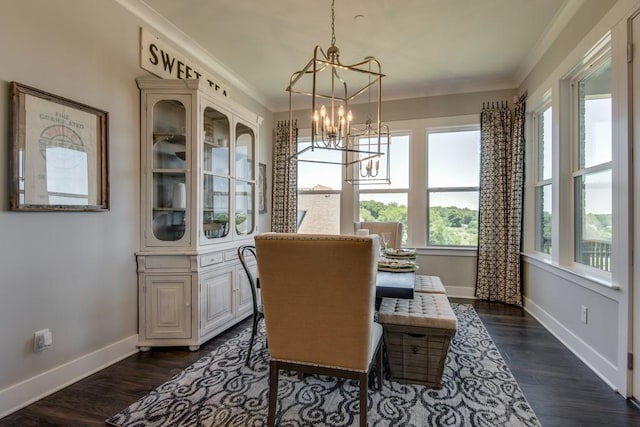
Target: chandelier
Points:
(334, 88)
(371, 170)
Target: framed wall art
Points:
(59, 153)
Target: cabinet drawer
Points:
(231, 255)
(213, 258)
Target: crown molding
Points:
(550, 34)
(182, 41)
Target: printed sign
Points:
(159, 58)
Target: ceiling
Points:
(426, 47)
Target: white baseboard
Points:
(24, 393)
(602, 367)
(460, 292)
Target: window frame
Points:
(539, 182)
(366, 189)
(564, 136)
(416, 129)
(304, 136)
(600, 55)
(429, 190)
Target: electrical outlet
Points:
(42, 340)
(584, 311)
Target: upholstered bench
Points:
(429, 284)
(417, 333)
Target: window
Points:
(592, 174)
(388, 202)
(319, 190)
(543, 184)
(328, 203)
(453, 175)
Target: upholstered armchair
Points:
(374, 227)
(318, 293)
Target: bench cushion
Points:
(425, 310)
(429, 284)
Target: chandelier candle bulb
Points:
(315, 122)
(371, 168)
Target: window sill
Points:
(448, 251)
(578, 276)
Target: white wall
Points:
(555, 290)
(75, 273)
(555, 298)
(456, 269)
(582, 22)
(460, 104)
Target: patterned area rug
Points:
(219, 390)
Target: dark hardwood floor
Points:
(562, 390)
(559, 387)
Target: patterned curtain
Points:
(285, 179)
(501, 198)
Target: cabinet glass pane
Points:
(216, 142)
(169, 170)
(245, 142)
(215, 213)
(244, 207)
(169, 201)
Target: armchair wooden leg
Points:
(363, 399)
(273, 393)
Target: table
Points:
(395, 285)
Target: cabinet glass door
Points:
(215, 174)
(245, 142)
(245, 179)
(169, 170)
(244, 207)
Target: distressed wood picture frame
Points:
(59, 151)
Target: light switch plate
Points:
(42, 340)
(584, 311)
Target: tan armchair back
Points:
(374, 227)
(318, 293)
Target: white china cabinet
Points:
(198, 204)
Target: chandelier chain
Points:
(333, 27)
